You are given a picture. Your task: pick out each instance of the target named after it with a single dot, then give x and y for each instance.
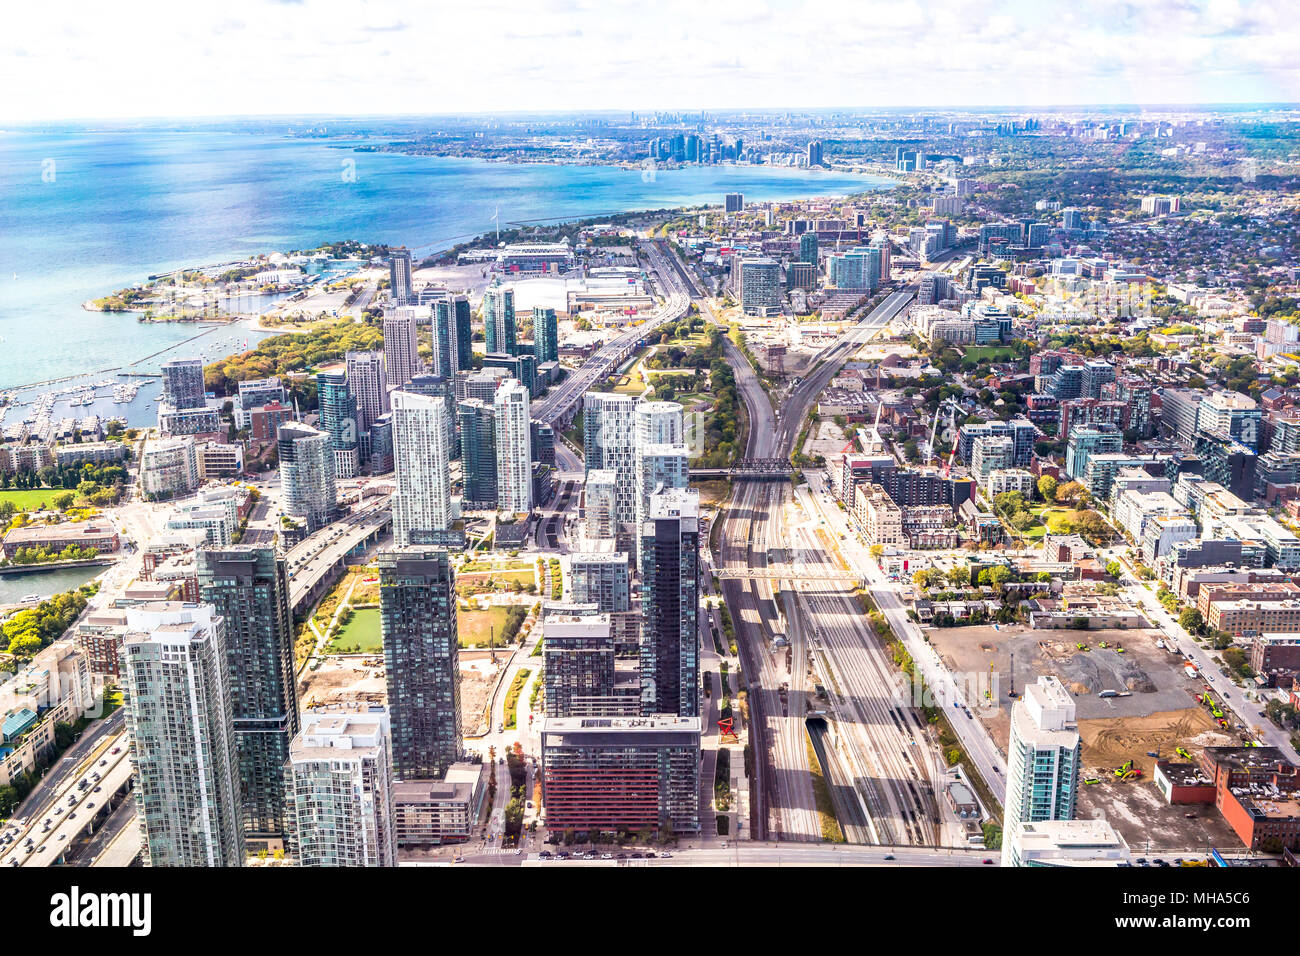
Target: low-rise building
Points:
(434, 812)
(102, 538)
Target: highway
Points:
(314, 557)
(556, 406)
(43, 837)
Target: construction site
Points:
(357, 679)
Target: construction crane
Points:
(951, 405)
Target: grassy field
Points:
(475, 627)
(363, 632)
(29, 500)
(992, 353)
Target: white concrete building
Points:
(1042, 758)
(514, 448)
(421, 453)
(339, 790)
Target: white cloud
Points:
(84, 58)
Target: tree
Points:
(1069, 492)
(1114, 568)
(1190, 620)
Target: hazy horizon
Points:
(84, 62)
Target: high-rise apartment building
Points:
(249, 587)
(670, 590)
(339, 782)
(447, 359)
(808, 249)
(421, 453)
(734, 202)
(417, 607)
(659, 468)
(399, 277)
(182, 383)
(401, 347)
(514, 448)
(582, 672)
(600, 505)
(176, 696)
(600, 578)
(1042, 758)
(760, 286)
(307, 474)
(478, 453)
(338, 419)
(366, 380)
(464, 330)
(546, 335)
(609, 442)
(499, 330)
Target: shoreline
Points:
(871, 181)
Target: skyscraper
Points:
(815, 152)
(338, 419)
(417, 606)
(307, 474)
(365, 371)
(499, 320)
(583, 677)
(600, 578)
(546, 335)
(608, 443)
(421, 453)
(1042, 759)
(514, 448)
(464, 330)
(249, 586)
(808, 248)
(659, 468)
(446, 344)
(478, 453)
(176, 696)
(340, 790)
(182, 383)
(401, 347)
(670, 591)
(600, 505)
(760, 285)
(734, 202)
(399, 276)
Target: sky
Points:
(87, 59)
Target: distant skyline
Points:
(81, 60)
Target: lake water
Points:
(83, 214)
(14, 587)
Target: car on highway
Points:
(987, 860)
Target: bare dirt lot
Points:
(1159, 715)
(1151, 679)
(357, 680)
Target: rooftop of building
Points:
(1245, 758)
(1183, 774)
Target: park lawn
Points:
(476, 627)
(362, 631)
(993, 353)
(1055, 519)
(29, 500)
